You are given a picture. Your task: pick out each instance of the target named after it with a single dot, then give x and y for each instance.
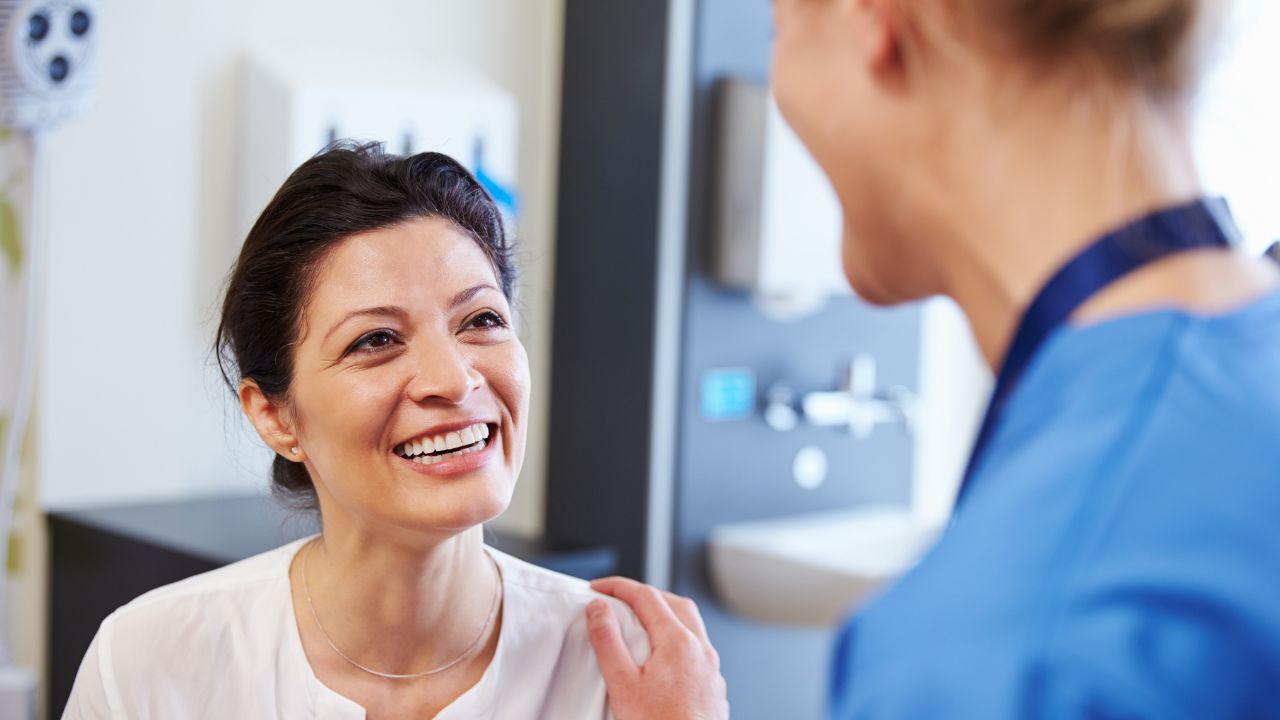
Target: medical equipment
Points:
(47, 60)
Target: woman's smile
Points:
(413, 373)
(453, 449)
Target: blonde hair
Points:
(1151, 44)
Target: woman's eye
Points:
(373, 342)
(487, 320)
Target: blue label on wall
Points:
(728, 394)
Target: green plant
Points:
(10, 239)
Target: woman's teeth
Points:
(432, 449)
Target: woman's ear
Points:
(271, 421)
(879, 27)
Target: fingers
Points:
(656, 609)
(680, 678)
(616, 664)
(648, 604)
(687, 611)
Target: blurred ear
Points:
(270, 420)
(878, 26)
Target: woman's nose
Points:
(443, 371)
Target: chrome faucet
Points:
(859, 405)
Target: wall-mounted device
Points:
(48, 53)
(776, 220)
(293, 110)
(859, 405)
(49, 49)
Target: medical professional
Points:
(1116, 542)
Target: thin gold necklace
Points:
(493, 612)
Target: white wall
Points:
(143, 225)
(954, 385)
(1238, 123)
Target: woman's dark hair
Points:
(345, 190)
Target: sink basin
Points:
(813, 569)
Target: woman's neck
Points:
(1026, 194)
(400, 607)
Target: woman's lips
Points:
(452, 438)
(458, 462)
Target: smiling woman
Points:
(367, 333)
(405, 337)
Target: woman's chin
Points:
(868, 287)
(877, 284)
(467, 514)
(454, 508)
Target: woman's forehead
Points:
(423, 261)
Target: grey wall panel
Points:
(741, 470)
(737, 471)
(602, 352)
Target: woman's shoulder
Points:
(1139, 366)
(233, 603)
(246, 577)
(536, 578)
(558, 603)
(167, 649)
(545, 658)
(548, 586)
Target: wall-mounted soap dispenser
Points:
(776, 223)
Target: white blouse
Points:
(225, 644)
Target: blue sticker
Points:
(504, 196)
(728, 394)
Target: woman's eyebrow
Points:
(466, 295)
(382, 311)
(400, 313)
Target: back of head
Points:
(1149, 42)
(1152, 45)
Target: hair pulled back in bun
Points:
(1146, 42)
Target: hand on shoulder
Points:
(681, 680)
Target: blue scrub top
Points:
(1117, 554)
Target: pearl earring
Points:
(293, 451)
